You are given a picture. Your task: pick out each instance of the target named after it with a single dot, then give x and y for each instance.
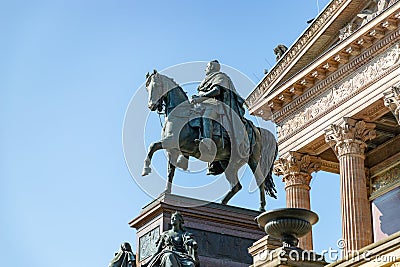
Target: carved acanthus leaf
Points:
(351, 138)
(296, 163)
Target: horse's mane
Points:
(171, 84)
(169, 81)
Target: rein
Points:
(159, 116)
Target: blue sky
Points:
(68, 71)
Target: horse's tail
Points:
(269, 151)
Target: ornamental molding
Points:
(350, 138)
(295, 50)
(300, 180)
(392, 101)
(330, 166)
(296, 168)
(371, 11)
(386, 179)
(378, 32)
(373, 112)
(347, 69)
(382, 150)
(340, 92)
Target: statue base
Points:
(266, 254)
(223, 233)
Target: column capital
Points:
(392, 100)
(296, 167)
(351, 137)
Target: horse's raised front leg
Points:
(232, 177)
(171, 173)
(152, 148)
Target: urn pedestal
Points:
(285, 225)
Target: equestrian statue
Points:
(211, 127)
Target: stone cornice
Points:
(315, 106)
(330, 166)
(340, 87)
(356, 62)
(295, 50)
(324, 69)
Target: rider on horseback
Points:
(218, 96)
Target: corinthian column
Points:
(296, 169)
(348, 142)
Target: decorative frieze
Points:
(365, 16)
(295, 50)
(386, 179)
(346, 31)
(392, 100)
(342, 91)
(264, 113)
(351, 138)
(374, 111)
(353, 26)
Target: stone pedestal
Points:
(296, 170)
(349, 145)
(223, 233)
(286, 256)
(262, 246)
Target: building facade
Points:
(335, 97)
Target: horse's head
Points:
(155, 90)
(158, 85)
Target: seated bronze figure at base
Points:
(175, 247)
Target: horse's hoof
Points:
(167, 191)
(146, 171)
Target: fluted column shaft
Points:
(356, 227)
(349, 144)
(296, 169)
(298, 196)
(297, 190)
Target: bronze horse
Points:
(165, 94)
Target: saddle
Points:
(195, 121)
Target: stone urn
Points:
(287, 224)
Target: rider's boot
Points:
(182, 162)
(207, 146)
(207, 134)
